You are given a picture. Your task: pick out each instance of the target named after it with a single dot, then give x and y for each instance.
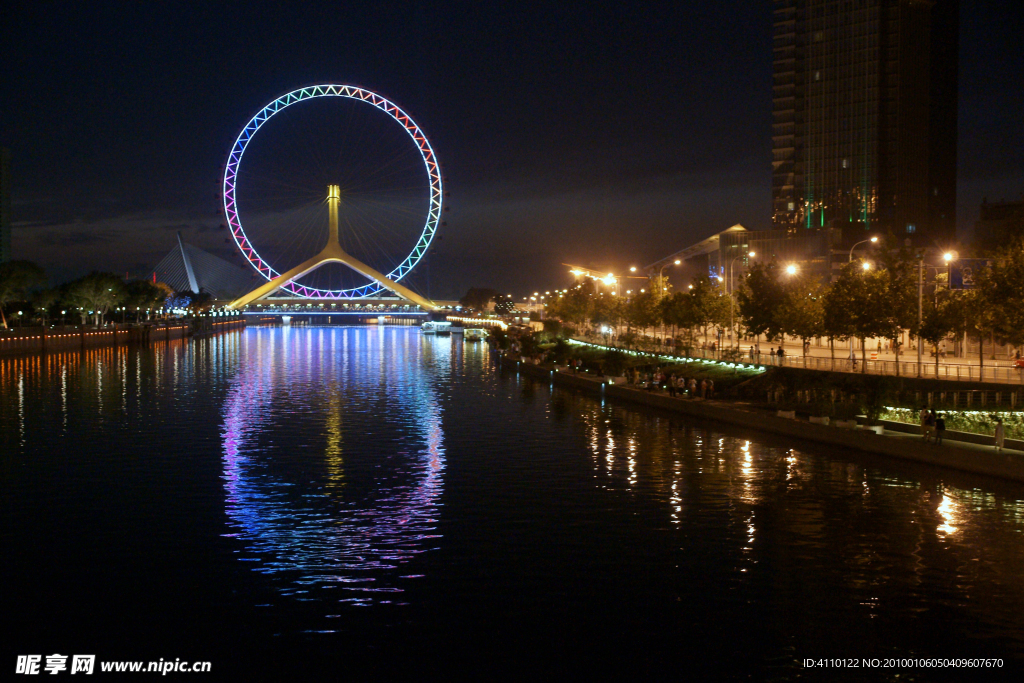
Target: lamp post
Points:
(872, 240)
(661, 276)
(948, 257)
(732, 297)
(849, 259)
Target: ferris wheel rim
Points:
(263, 267)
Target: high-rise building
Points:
(999, 224)
(864, 117)
(5, 205)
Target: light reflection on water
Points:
(322, 527)
(323, 469)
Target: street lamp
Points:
(948, 257)
(732, 297)
(866, 265)
(791, 269)
(661, 275)
(872, 241)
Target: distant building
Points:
(998, 224)
(5, 205)
(864, 117)
(813, 251)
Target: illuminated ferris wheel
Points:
(332, 192)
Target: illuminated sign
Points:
(964, 272)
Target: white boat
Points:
(474, 334)
(436, 327)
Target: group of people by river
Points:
(676, 385)
(933, 426)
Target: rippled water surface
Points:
(369, 501)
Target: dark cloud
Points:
(74, 238)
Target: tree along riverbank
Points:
(901, 443)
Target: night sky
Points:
(599, 134)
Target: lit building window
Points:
(911, 227)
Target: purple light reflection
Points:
(313, 534)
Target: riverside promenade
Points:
(37, 340)
(896, 441)
(819, 357)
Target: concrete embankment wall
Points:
(34, 340)
(967, 460)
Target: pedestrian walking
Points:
(711, 388)
(703, 388)
(940, 428)
(771, 356)
(923, 418)
(930, 426)
(1000, 435)
(693, 387)
(752, 353)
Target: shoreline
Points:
(976, 459)
(28, 341)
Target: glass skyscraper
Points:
(864, 117)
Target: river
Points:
(375, 502)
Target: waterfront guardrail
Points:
(954, 372)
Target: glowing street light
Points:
(866, 265)
(873, 240)
(791, 269)
(732, 292)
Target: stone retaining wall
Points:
(947, 455)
